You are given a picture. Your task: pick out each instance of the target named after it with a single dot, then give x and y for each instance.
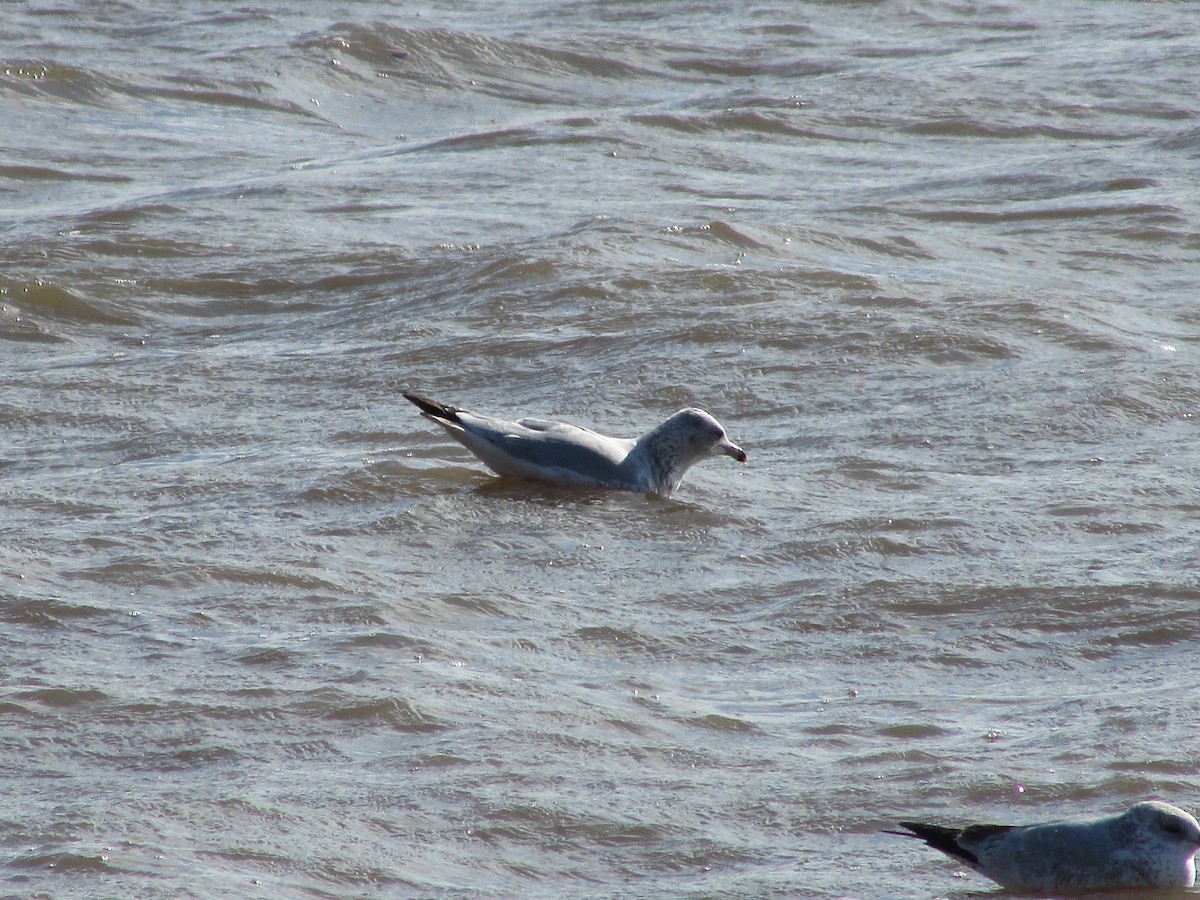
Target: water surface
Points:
(267, 633)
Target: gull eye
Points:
(1173, 827)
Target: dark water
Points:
(265, 632)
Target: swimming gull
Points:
(563, 454)
(1152, 844)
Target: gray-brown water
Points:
(267, 633)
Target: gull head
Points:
(1169, 828)
(700, 433)
(680, 442)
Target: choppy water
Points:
(267, 633)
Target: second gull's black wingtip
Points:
(939, 837)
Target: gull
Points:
(563, 454)
(1151, 844)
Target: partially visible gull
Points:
(1152, 844)
(563, 454)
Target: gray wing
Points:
(549, 451)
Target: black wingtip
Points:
(939, 837)
(432, 407)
